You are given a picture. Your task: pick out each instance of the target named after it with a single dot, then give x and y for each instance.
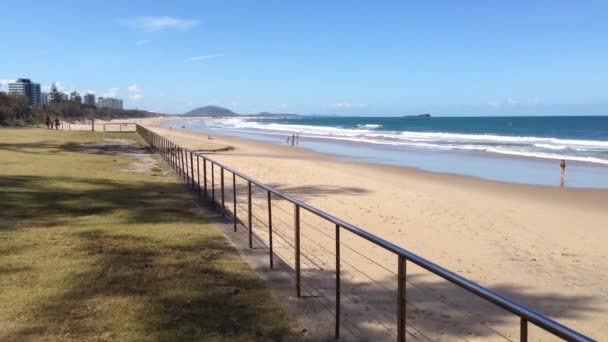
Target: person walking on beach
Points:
(562, 167)
(56, 123)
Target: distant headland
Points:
(216, 111)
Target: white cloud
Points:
(112, 92)
(202, 57)
(153, 24)
(135, 92)
(4, 83)
(347, 105)
(513, 103)
(60, 87)
(142, 42)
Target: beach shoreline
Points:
(510, 168)
(540, 245)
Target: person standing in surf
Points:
(562, 167)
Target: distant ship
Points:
(425, 115)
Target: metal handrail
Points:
(526, 314)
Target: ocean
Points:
(521, 149)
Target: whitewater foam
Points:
(527, 146)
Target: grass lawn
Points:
(97, 242)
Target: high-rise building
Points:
(109, 102)
(27, 88)
(88, 99)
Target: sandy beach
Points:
(543, 246)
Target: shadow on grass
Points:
(139, 287)
(45, 147)
(37, 148)
(53, 201)
(107, 148)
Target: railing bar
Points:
(401, 298)
(234, 199)
(337, 332)
(270, 229)
(223, 195)
(198, 175)
(205, 178)
(249, 213)
(296, 218)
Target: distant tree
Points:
(55, 94)
(14, 110)
(75, 97)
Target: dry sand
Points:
(545, 247)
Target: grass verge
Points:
(97, 243)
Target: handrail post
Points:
(181, 163)
(188, 176)
(205, 178)
(173, 160)
(249, 214)
(174, 157)
(222, 187)
(186, 172)
(198, 175)
(401, 298)
(296, 218)
(181, 153)
(186, 168)
(177, 161)
(234, 198)
(523, 330)
(270, 229)
(192, 169)
(337, 333)
(212, 185)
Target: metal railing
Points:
(182, 161)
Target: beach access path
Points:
(543, 246)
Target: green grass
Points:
(91, 251)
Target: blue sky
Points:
(323, 57)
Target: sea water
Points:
(511, 149)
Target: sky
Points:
(448, 58)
